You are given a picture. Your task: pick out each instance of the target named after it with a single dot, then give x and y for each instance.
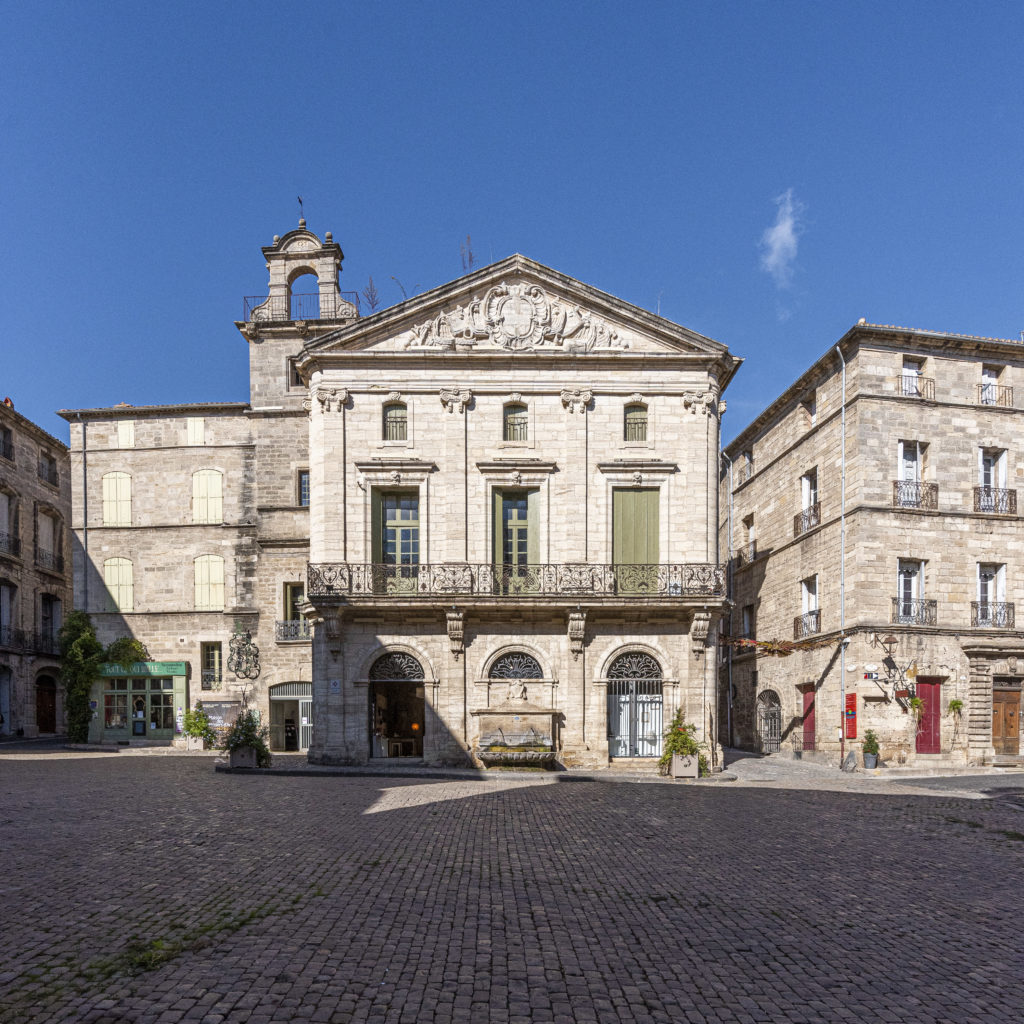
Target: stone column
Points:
(979, 712)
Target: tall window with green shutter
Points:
(635, 529)
(516, 539)
(396, 540)
(635, 423)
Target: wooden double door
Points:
(1006, 721)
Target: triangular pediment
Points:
(518, 306)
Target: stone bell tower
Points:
(279, 324)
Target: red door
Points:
(929, 732)
(809, 719)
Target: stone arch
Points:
(518, 648)
(515, 664)
(404, 647)
(626, 649)
(768, 721)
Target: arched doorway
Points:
(397, 706)
(635, 706)
(46, 704)
(291, 716)
(769, 721)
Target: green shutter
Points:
(376, 528)
(635, 526)
(533, 527)
(498, 526)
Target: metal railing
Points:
(14, 638)
(744, 472)
(636, 429)
(569, 580)
(45, 643)
(311, 306)
(807, 624)
(47, 471)
(7, 449)
(211, 677)
(995, 394)
(992, 614)
(914, 612)
(516, 426)
(49, 560)
(915, 494)
(746, 553)
(918, 387)
(808, 519)
(10, 544)
(996, 501)
(286, 630)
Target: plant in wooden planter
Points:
(682, 739)
(197, 728)
(870, 749)
(246, 741)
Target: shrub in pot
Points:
(870, 749)
(197, 728)
(246, 741)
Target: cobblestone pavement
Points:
(152, 889)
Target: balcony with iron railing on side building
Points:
(290, 308)
(745, 554)
(992, 615)
(292, 631)
(807, 519)
(914, 612)
(999, 395)
(917, 387)
(47, 470)
(995, 501)
(915, 494)
(10, 545)
(49, 560)
(549, 582)
(807, 625)
(27, 642)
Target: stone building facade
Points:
(506, 493)
(876, 501)
(35, 574)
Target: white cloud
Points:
(779, 242)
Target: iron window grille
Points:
(516, 423)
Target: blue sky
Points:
(764, 173)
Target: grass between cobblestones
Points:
(153, 891)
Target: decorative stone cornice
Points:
(576, 399)
(517, 317)
(455, 399)
(704, 402)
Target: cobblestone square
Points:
(152, 889)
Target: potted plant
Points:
(246, 741)
(681, 743)
(870, 749)
(197, 729)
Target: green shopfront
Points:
(142, 704)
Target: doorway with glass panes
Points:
(396, 541)
(516, 539)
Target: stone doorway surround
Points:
(994, 663)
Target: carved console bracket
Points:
(576, 631)
(704, 402)
(454, 620)
(699, 632)
(576, 399)
(331, 399)
(456, 399)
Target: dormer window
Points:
(635, 426)
(516, 422)
(396, 422)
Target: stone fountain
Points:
(516, 731)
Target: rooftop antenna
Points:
(302, 215)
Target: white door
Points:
(305, 724)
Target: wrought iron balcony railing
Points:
(49, 560)
(286, 630)
(807, 624)
(466, 579)
(46, 643)
(915, 494)
(808, 519)
(996, 501)
(917, 387)
(313, 306)
(995, 394)
(9, 544)
(914, 612)
(11, 637)
(992, 614)
(746, 554)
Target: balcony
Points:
(914, 612)
(915, 494)
(746, 554)
(808, 519)
(995, 394)
(14, 639)
(807, 624)
(996, 501)
(992, 614)
(46, 643)
(744, 473)
(285, 308)
(917, 387)
(571, 581)
(292, 631)
(49, 560)
(9, 544)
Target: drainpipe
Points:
(842, 573)
(85, 523)
(730, 591)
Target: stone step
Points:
(633, 765)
